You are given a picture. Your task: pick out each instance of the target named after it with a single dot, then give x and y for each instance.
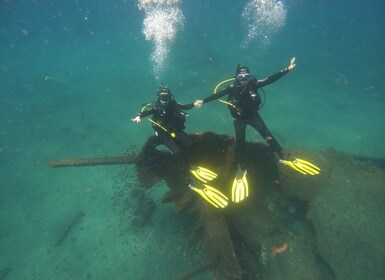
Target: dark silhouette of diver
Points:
(168, 121)
(243, 102)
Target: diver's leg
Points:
(240, 140)
(149, 148)
(176, 151)
(149, 157)
(173, 148)
(258, 124)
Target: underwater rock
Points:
(346, 209)
(348, 215)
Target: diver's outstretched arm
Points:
(198, 103)
(186, 106)
(276, 76)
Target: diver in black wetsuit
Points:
(168, 121)
(244, 102)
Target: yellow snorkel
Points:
(223, 101)
(146, 105)
(227, 80)
(221, 83)
(173, 135)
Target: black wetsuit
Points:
(172, 118)
(244, 103)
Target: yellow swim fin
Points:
(240, 188)
(211, 195)
(203, 174)
(302, 166)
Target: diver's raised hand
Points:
(198, 103)
(292, 64)
(137, 119)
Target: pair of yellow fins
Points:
(240, 186)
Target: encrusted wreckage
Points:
(290, 225)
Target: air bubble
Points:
(163, 19)
(262, 19)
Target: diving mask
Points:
(243, 78)
(164, 98)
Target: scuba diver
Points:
(243, 103)
(168, 121)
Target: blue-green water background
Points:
(100, 75)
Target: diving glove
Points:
(302, 166)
